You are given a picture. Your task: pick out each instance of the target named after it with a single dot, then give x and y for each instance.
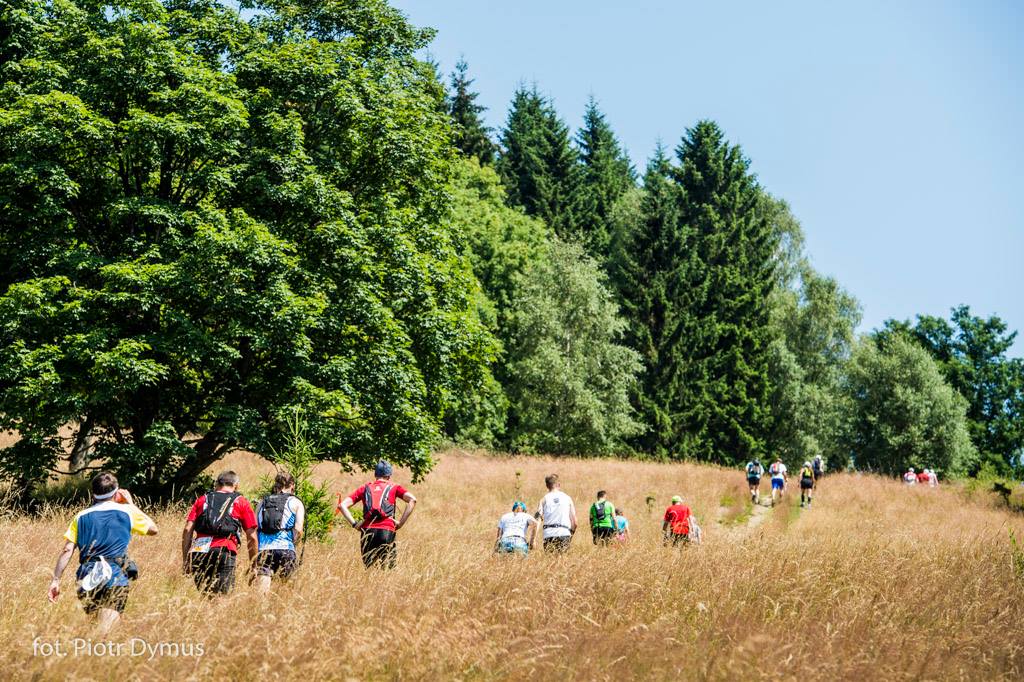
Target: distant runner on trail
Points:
(602, 519)
(806, 484)
(515, 531)
(910, 478)
(675, 525)
(933, 478)
(281, 519)
(378, 528)
(818, 464)
(101, 533)
(621, 526)
(754, 473)
(779, 477)
(922, 477)
(212, 534)
(557, 514)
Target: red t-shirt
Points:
(388, 523)
(241, 510)
(922, 477)
(678, 516)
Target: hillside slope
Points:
(875, 582)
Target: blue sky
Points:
(894, 130)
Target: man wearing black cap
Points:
(378, 525)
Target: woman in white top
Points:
(515, 531)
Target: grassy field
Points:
(875, 582)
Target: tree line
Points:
(210, 221)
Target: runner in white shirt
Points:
(557, 514)
(515, 531)
(779, 476)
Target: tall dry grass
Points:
(875, 582)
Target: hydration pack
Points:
(753, 469)
(776, 468)
(216, 519)
(376, 506)
(272, 513)
(601, 514)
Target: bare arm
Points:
(572, 518)
(344, 509)
(62, 563)
(186, 545)
(532, 526)
(251, 544)
(300, 525)
(410, 504)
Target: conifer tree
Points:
(649, 260)
(538, 164)
(725, 331)
(472, 137)
(606, 175)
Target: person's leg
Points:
(106, 619)
(224, 581)
(203, 572)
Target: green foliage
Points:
(607, 174)
(298, 455)
(971, 352)
(472, 137)
(206, 221)
(814, 321)
(903, 413)
(650, 260)
(538, 164)
(1016, 557)
(695, 272)
(570, 378)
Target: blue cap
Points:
(518, 506)
(383, 469)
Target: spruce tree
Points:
(606, 175)
(725, 330)
(538, 164)
(648, 263)
(472, 137)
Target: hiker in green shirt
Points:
(602, 519)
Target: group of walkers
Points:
(216, 525)
(810, 474)
(222, 519)
(926, 477)
(557, 521)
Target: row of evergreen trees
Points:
(674, 315)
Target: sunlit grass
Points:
(874, 582)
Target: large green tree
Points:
(972, 354)
(207, 222)
(570, 376)
(472, 136)
(903, 413)
(607, 175)
(538, 164)
(725, 330)
(650, 264)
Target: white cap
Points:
(911, 469)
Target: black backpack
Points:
(272, 513)
(216, 519)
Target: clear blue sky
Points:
(895, 130)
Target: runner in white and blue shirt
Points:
(276, 556)
(101, 534)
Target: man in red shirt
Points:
(922, 477)
(213, 531)
(378, 526)
(676, 523)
